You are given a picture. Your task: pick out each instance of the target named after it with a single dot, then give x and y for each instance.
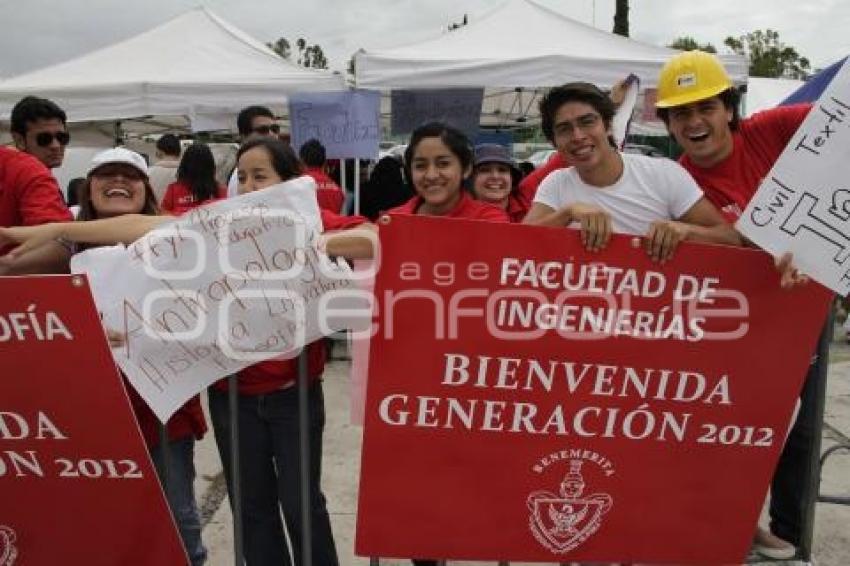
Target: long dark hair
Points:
(197, 171)
(385, 188)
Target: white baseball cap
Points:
(119, 155)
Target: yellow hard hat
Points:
(689, 77)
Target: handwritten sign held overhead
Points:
(347, 123)
(459, 107)
(803, 204)
(221, 288)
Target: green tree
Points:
(281, 47)
(308, 55)
(688, 43)
(768, 56)
(314, 57)
(621, 18)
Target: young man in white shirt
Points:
(606, 191)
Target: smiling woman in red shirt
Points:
(438, 160)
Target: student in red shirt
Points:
(268, 410)
(29, 195)
(438, 161)
(328, 193)
(195, 184)
(117, 184)
(728, 157)
(495, 179)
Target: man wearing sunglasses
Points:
(252, 122)
(38, 128)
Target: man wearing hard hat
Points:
(729, 156)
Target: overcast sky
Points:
(36, 33)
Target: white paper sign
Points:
(623, 117)
(223, 287)
(803, 204)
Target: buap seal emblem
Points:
(8, 552)
(563, 522)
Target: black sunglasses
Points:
(266, 130)
(44, 139)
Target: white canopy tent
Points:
(195, 66)
(519, 44)
(765, 93)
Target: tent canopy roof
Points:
(196, 63)
(519, 43)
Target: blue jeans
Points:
(269, 461)
(180, 493)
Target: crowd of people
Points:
(590, 185)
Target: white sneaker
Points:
(771, 546)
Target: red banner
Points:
(76, 483)
(530, 401)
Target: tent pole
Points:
(119, 133)
(357, 186)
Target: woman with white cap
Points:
(117, 184)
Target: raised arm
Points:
(355, 243)
(120, 229)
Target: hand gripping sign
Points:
(76, 483)
(531, 401)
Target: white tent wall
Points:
(219, 70)
(763, 93)
(520, 43)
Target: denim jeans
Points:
(269, 460)
(791, 478)
(180, 493)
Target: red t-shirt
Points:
(328, 193)
(331, 221)
(270, 375)
(187, 421)
(29, 194)
(178, 198)
(518, 207)
(528, 186)
(466, 207)
(758, 142)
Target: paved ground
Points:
(342, 467)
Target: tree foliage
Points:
(621, 18)
(768, 56)
(307, 56)
(281, 47)
(688, 43)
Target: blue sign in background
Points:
(347, 123)
(458, 107)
